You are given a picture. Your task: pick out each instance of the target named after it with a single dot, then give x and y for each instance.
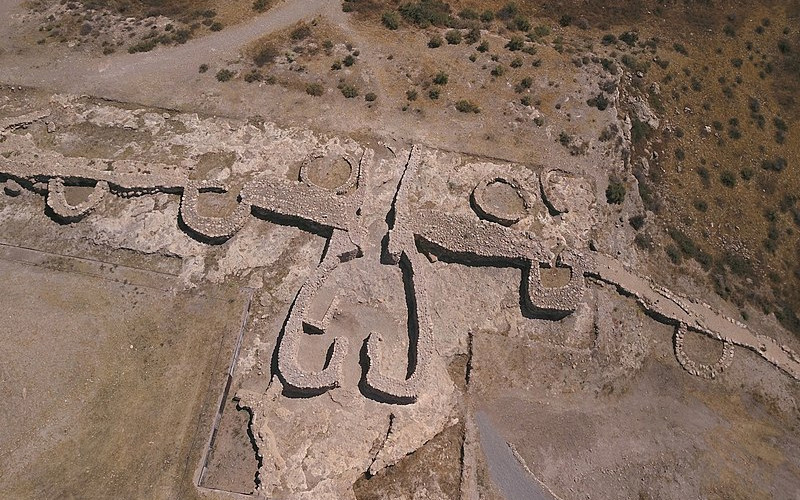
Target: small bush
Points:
(203, 68)
(349, 60)
(498, 70)
(253, 76)
(487, 16)
(349, 91)
(615, 192)
(225, 75)
(336, 66)
(453, 37)
(469, 14)
(411, 95)
(522, 24)
(216, 26)
(435, 42)
(680, 49)
(515, 43)
(727, 178)
(425, 13)
(629, 37)
(440, 78)
(465, 106)
(599, 101)
(260, 5)
(609, 39)
(565, 20)
(637, 221)
(370, 96)
(700, 205)
(473, 36)
(729, 30)
(746, 173)
(516, 63)
(315, 89)
(483, 47)
(266, 55)
(433, 94)
(526, 100)
(391, 20)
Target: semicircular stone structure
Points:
(212, 228)
(699, 369)
(485, 209)
(556, 302)
(57, 200)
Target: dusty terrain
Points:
(311, 254)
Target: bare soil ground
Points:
(111, 379)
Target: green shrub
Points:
(700, 205)
(680, 49)
(440, 78)
(565, 20)
(260, 5)
(266, 55)
(216, 26)
(465, 106)
(337, 65)
(508, 11)
(746, 173)
(498, 70)
(629, 37)
(453, 37)
(370, 96)
(483, 47)
(349, 60)
(473, 36)
(253, 76)
(487, 16)
(203, 68)
(411, 95)
(599, 101)
(516, 63)
(433, 94)
(639, 130)
(637, 221)
(225, 75)
(435, 42)
(349, 91)
(515, 43)
(522, 24)
(469, 14)
(526, 100)
(425, 13)
(391, 20)
(540, 31)
(315, 89)
(609, 39)
(615, 192)
(727, 178)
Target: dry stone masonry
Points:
(489, 236)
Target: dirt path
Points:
(510, 476)
(161, 67)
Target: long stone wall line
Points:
(670, 308)
(421, 341)
(9, 124)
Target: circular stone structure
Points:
(699, 369)
(501, 199)
(336, 173)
